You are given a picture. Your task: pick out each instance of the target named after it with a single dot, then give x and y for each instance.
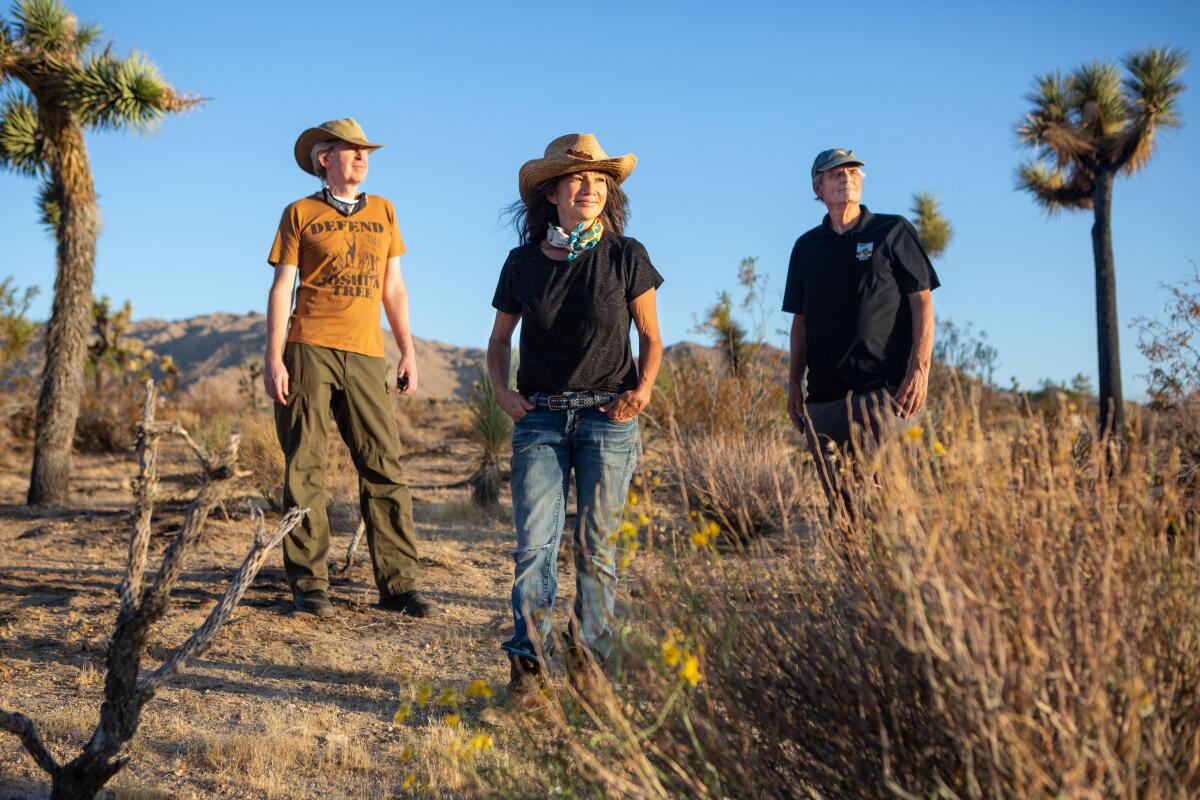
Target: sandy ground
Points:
(283, 705)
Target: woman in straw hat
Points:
(577, 282)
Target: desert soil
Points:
(283, 704)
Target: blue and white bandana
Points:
(577, 242)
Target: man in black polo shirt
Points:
(859, 286)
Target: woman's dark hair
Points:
(531, 219)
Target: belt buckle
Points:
(556, 402)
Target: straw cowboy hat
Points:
(345, 129)
(575, 152)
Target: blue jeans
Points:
(547, 446)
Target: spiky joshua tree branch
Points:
(143, 603)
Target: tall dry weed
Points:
(1012, 613)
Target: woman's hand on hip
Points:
(513, 404)
(626, 405)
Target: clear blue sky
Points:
(725, 106)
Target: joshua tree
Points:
(67, 86)
(933, 229)
(1092, 126)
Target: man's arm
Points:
(798, 365)
(279, 308)
(395, 306)
(644, 311)
(499, 357)
(915, 386)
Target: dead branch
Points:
(199, 641)
(24, 728)
(125, 690)
(354, 540)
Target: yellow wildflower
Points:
(409, 781)
(402, 713)
(612, 539)
(700, 538)
(479, 688)
(628, 530)
(690, 671)
(642, 519)
(452, 719)
(626, 560)
(633, 546)
(671, 653)
(657, 481)
(633, 498)
(481, 742)
(712, 529)
(424, 693)
(914, 433)
(939, 449)
(448, 697)
(406, 754)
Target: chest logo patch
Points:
(863, 250)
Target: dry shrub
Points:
(262, 456)
(1013, 614)
(701, 396)
(747, 483)
(108, 419)
(733, 453)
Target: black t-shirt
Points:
(851, 289)
(575, 314)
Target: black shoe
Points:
(314, 601)
(410, 603)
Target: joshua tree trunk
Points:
(70, 319)
(1112, 412)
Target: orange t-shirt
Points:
(341, 261)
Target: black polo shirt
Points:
(851, 289)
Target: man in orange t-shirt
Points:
(327, 355)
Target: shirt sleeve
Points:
(396, 246)
(642, 276)
(793, 290)
(286, 247)
(504, 299)
(910, 265)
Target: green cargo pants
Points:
(355, 388)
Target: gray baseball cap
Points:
(828, 159)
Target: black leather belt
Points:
(570, 401)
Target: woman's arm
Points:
(644, 310)
(499, 357)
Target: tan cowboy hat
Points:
(345, 129)
(575, 152)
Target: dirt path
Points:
(283, 705)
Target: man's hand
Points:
(407, 368)
(626, 405)
(913, 389)
(795, 406)
(275, 379)
(513, 404)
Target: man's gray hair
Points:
(317, 149)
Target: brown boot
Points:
(585, 674)
(526, 683)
